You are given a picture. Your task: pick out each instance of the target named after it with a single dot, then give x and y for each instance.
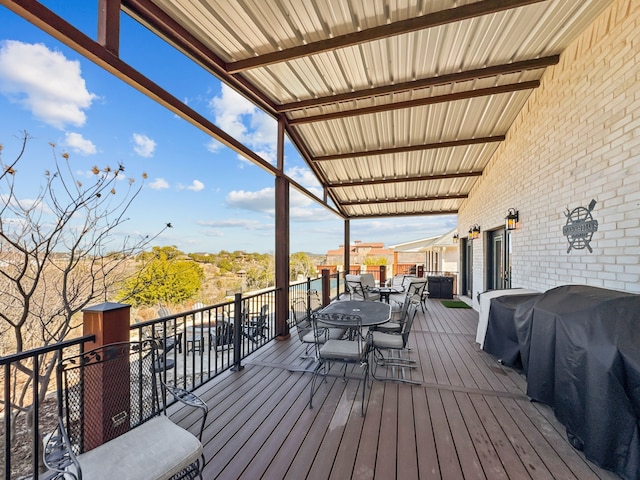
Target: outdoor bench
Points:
(124, 434)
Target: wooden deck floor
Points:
(468, 419)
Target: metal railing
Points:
(198, 345)
(14, 368)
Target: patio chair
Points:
(359, 287)
(301, 319)
(352, 350)
(397, 321)
(126, 435)
(394, 342)
(167, 332)
(413, 291)
(256, 328)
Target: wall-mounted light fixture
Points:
(455, 238)
(474, 232)
(512, 219)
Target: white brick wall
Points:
(576, 139)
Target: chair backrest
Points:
(415, 289)
(127, 371)
(315, 302)
(262, 318)
(299, 317)
(354, 286)
(367, 280)
(411, 312)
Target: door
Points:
(498, 260)
(466, 250)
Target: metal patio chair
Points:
(352, 350)
(127, 434)
(394, 343)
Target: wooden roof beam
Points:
(412, 148)
(451, 97)
(383, 181)
(404, 200)
(457, 77)
(429, 20)
(404, 214)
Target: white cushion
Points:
(342, 349)
(155, 450)
(393, 326)
(387, 340)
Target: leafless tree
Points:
(59, 253)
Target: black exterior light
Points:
(474, 232)
(455, 238)
(512, 219)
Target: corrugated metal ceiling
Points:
(396, 106)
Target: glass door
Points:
(498, 261)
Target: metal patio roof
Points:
(397, 106)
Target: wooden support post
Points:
(383, 275)
(237, 333)
(326, 287)
(106, 402)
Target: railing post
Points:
(308, 297)
(109, 322)
(383, 275)
(326, 287)
(237, 332)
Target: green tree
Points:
(166, 276)
(301, 264)
(373, 261)
(259, 271)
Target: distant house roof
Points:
(445, 240)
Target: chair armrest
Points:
(58, 454)
(190, 399)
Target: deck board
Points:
(468, 419)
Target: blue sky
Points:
(214, 199)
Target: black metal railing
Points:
(14, 368)
(200, 344)
(197, 346)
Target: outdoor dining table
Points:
(371, 313)
(385, 292)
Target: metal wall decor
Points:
(580, 227)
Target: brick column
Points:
(106, 402)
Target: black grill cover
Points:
(584, 361)
(502, 339)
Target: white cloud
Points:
(79, 144)
(260, 201)
(196, 186)
(159, 184)
(301, 207)
(303, 176)
(231, 223)
(44, 82)
(245, 122)
(213, 145)
(143, 145)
